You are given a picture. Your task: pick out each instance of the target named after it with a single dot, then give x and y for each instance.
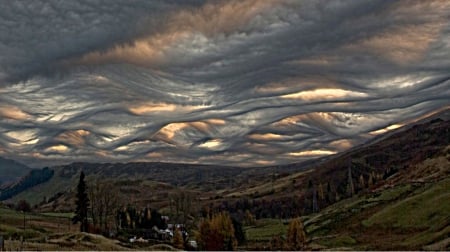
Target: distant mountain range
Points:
(11, 171)
(383, 156)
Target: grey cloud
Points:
(291, 81)
(36, 35)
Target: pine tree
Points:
(330, 194)
(350, 186)
(296, 236)
(315, 206)
(82, 203)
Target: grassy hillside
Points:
(404, 216)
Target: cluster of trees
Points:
(181, 206)
(101, 204)
(104, 203)
(34, 177)
(283, 207)
(357, 179)
(130, 218)
(98, 202)
(317, 196)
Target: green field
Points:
(265, 229)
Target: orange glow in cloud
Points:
(407, 44)
(291, 120)
(102, 153)
(401, 45)
(57, 148)
(264, 162)
(312, 153)
(267, 136)
(211, 144)
(342, 144)
(384, 130)
(12, 112)
(23, 136)
(220, 17)
(323, 94)
(213, 18)
(75, 137)
(298, 83)
(148, 108)
(215, 121)
(144, 52)
(169, 131)
(154, 155)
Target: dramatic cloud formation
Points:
(220, 82)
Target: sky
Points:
(236, 82)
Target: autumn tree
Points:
(178, 241)
(82, 205)
(217, 233)
(296, 236)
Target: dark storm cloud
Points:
(37, 34)
(236, 82)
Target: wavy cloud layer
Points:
(221, 82)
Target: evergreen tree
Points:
(330, 194)
(315, 206)
(350, 186)
(82, 202)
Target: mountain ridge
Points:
(11, 171)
